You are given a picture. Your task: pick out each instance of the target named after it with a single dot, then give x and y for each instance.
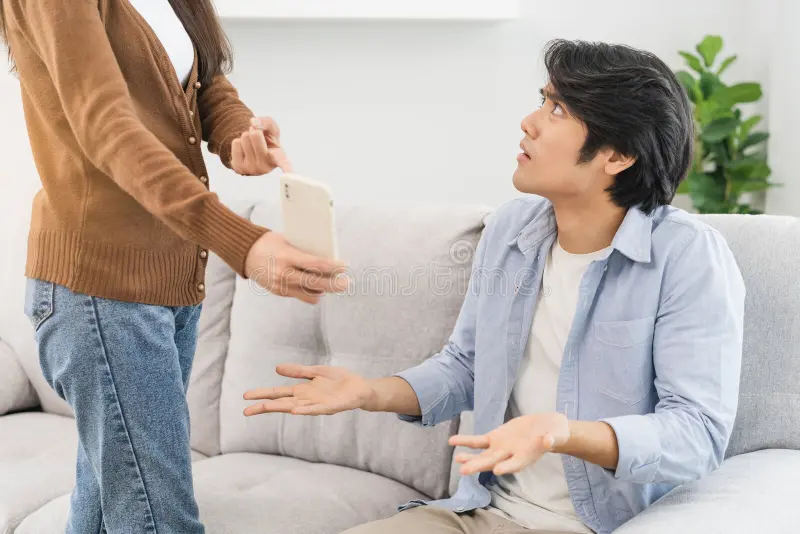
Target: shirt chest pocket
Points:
(623, 358)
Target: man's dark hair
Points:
(630, 101)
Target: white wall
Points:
(18, 183)
(429, 113)
(785, 110)
(408, 113)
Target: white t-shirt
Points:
(170, 31)
(538, 497)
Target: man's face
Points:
(548, 165)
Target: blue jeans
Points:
(124, 368)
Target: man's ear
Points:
(617, 163)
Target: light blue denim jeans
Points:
(124, 368)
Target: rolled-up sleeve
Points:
(697, 354)
(639, 448)
(444, 384)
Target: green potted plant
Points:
(730, 158)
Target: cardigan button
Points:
(192, 140)
(203, 254)
(201, 287)
(197, 85)
(204, 179)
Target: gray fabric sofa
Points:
(278, 474)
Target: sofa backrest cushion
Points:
(410, 269)
(16, 391)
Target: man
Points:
(608, 373)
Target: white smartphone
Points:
(308, 221)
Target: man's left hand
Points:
(515, 445)
(258, 151)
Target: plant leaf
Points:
(709, 84)
(721, 113)
(754, 139)
(725, 64)
(751, 167)
(709, 48)
(704, 111)
(719, 151)
(760, 171)
(707, 192)
(686, 79)
(752, 121)
(747, 210)
(741, 93)
(719, 129)
(748, 125)
(693, 61)
(737, 187)
(690, 84)
(751, 186)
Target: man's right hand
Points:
(329, 390)
(274, 264)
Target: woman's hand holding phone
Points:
(274, 264)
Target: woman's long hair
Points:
(4, 31)
(202, 24)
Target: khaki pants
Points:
(432, 520)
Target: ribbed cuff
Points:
(225, 148)
(227, 234)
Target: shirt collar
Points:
(541, 226)
(633, 238)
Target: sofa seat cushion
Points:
(37, 463)
(37, 466)
(270, 494)
(275, 494)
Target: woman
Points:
(118, 95)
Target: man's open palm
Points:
(328, 390)
(513, 446)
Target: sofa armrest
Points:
(754, 492)
(16, 391)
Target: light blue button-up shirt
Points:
(655, 351)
